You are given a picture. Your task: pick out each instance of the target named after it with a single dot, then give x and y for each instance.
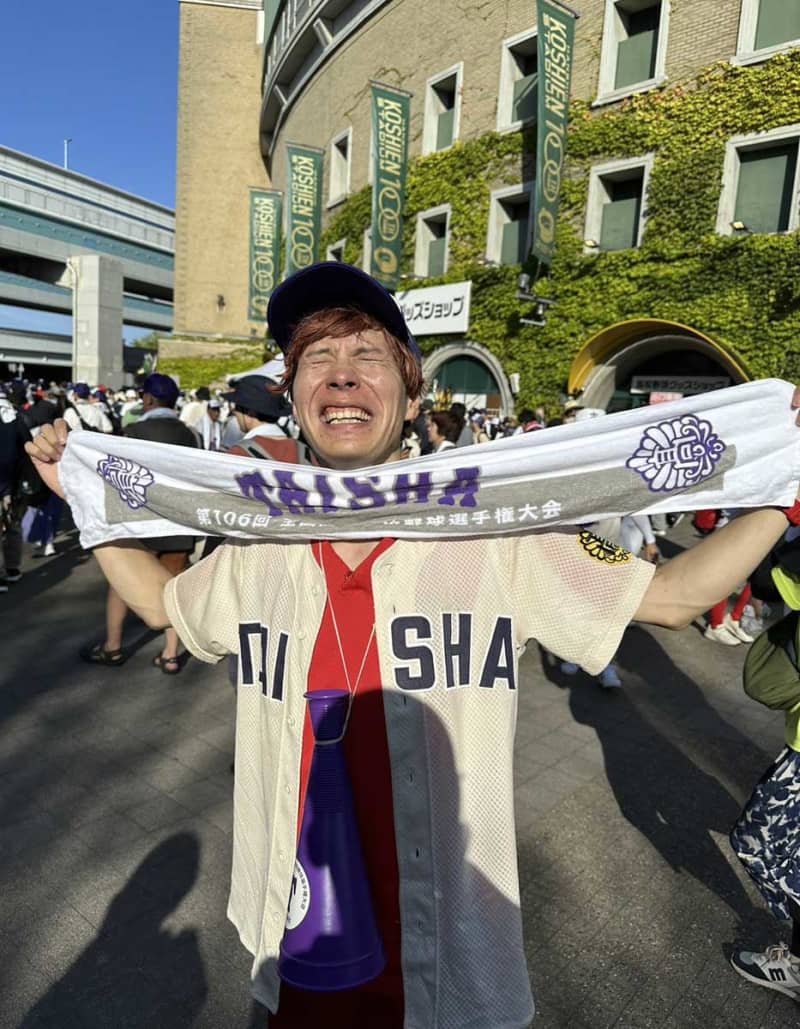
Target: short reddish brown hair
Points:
(337, 322)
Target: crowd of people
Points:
(335, 386)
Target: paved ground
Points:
(115, 811)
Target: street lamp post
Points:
(66, 153)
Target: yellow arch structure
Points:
(609, 341)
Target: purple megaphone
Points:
(331, 941)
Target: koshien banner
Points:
(738, 447)
(265, 249)
(555, 40)
(303, 206)
(391, 110)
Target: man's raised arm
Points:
(696, 580)
(135, 573)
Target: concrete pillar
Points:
(97, 320)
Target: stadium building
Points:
(676, 253)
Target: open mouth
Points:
(345, 415)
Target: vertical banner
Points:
(303, 206)
(265, 249)
(390, 121)
(556, 36)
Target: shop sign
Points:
(686, 385)
(436, 309)
(664, 398)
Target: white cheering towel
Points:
(736, 447)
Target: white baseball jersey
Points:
(452, 619)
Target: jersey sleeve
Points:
(203, 604)
(575, 593)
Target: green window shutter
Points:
(437, 251)
(778, 22)
(444, 129)
(523, 107)
(766, 182)
(636, 55)
(514, 240)
(620, 222)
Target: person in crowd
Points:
(105, 401)
(160, 424)
(477, 424)
(459, 412)
(528, 422)
(81, 413)
(637, 537)
(420, 426)
(726, 628)
(210, 426)
(766, 837)
(194, 410)
(43, 410)
(131, 408)
(14, 434)
(571, 409)
(264, 420)
(353, 613)
(411, 444)
(443, 431)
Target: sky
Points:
(103, 73)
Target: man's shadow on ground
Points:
(660, 790)
(136, 973)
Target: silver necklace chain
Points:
(351, 689)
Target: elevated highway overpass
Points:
(72, 245)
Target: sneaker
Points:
(609, 678)
(754, 626)
(49, 550)
(12, 575)
(722, 634)
(736, 628)
(569, 668)
(777, 969)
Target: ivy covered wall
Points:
(743, 291)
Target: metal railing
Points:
(294, 15)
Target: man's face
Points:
(350, 400)
(213, 414)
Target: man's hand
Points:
(46, 450)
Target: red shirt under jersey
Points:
(377, 1004)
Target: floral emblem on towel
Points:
(128, 478)
(675, 454)
(602, 549)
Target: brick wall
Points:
(404, 44)
(219, 98)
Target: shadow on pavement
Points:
(136, 973)
(660, 790)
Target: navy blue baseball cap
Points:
(162, 387)
(333, 284)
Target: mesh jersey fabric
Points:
(452, 619)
